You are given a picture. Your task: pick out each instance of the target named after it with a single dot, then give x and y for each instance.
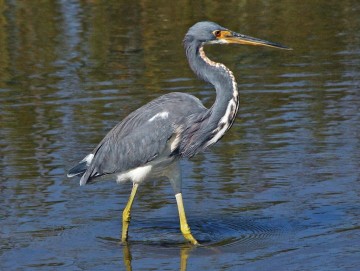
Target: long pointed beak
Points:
(233, 37)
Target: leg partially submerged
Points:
(174, 175)
(126, 214)
(185, 229)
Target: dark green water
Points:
(281, 191)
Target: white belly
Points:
(136, 175)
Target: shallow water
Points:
(279, 192)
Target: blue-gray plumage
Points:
(150, 141)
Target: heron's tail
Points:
(81, 168)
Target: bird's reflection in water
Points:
(127, 256)
(184, 255)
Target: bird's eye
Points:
(217, 33)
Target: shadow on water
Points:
(216, 236)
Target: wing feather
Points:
(142, 136)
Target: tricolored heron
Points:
(151, 140)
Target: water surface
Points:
(279, 192)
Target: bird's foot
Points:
(185, 229)
(191, 239)
(125, 230)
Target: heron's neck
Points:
(224, 110)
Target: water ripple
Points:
(214, 232)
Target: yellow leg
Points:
(126, 214)
(185, 229)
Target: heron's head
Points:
(212, 33)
